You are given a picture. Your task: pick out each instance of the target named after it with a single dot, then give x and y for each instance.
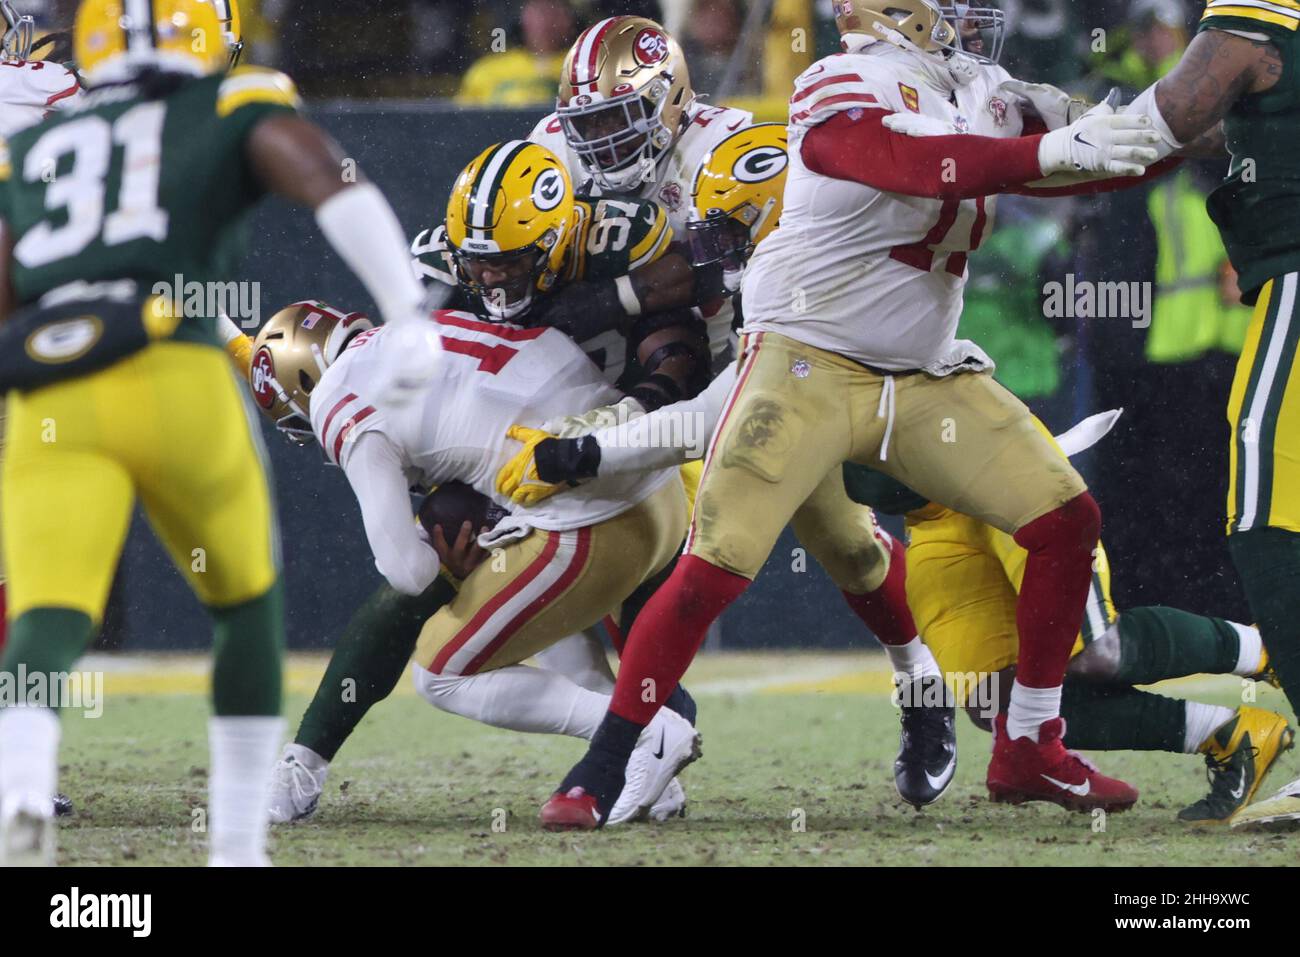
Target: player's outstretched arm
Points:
(1217, 68)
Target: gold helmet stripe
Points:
(482, 196)
(583, 70)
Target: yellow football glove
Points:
(518, 479)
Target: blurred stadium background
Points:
(414, 88)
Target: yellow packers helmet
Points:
(510, 222)
(624, 93)
(290, 354)
(976, 32)
(231, 29)
(736, 199)
(19, 35)
(180, 35)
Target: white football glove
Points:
(1101, 141)
(607, 416)
(411, 353)
(1056, 107)
(913, 124)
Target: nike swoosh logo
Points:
(736, 125)
(1241, 786)
(942, 780)
(660, 753)
(1079, 789)
(1078, 138)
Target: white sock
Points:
(581, 658)
(912, 660)
(1249, 658)
(1029, 708)
(518, 698)
(29, 758)
(242, 754)
(305, 756)
(1202, 721)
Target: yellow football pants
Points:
(170, 425)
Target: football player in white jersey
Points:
(29, 89)
(571, 561)
(849, 355)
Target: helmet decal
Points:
(261, 376)
(760, 164)
(650, 47)
(548, 189)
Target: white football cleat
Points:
(1281, 812)
(668, 743)
(218, 861)
(295, 787)
(671, 804)
(27, 833)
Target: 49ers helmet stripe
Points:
(588, 53)
(482, 196)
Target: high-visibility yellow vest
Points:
(1189, 317)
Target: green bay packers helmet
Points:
(624, 93)
(925, 25)
(19, 35)
(231, 28)
(290, 354)
(736, 197)
(181, 35)
(510, 223)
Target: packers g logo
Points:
(650, 47)
(548, 189)
(760, 164)
(261, 376)
(66, 340)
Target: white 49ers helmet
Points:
(955, 33)
(624, 93)
(290, 354)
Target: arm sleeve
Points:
(669, 436)
(374, 469)
(961, 166)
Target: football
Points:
(453, 503)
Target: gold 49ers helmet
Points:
(180, 35)
(736, 199)
(510, 222)
(290, 354)
(624, 93)
(20, 33)
(957, 28)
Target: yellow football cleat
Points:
(518, 479)
(1239, 755)
(1281, 812)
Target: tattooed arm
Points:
(1216, 69)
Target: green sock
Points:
(1268, 561)
(1118, 718)
(247, 647)
(1158, 643)
(46, 641)
(367, 663)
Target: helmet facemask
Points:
(980, 32)
(619, 140)
(19, 35)
(506, 282)
(726, 238)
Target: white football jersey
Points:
(874, 276)
(675, 177)
(492, 375)
(31, 88)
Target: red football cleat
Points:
(1026, 770)
(572, 811)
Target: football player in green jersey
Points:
(1238, 85)
(149, 177)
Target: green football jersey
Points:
(1258, 206)
(124, 186)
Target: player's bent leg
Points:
(1150, 644)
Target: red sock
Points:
(885, 610)
(1055, 588)
(667, 634)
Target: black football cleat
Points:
(62, 805)
(927, 747)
